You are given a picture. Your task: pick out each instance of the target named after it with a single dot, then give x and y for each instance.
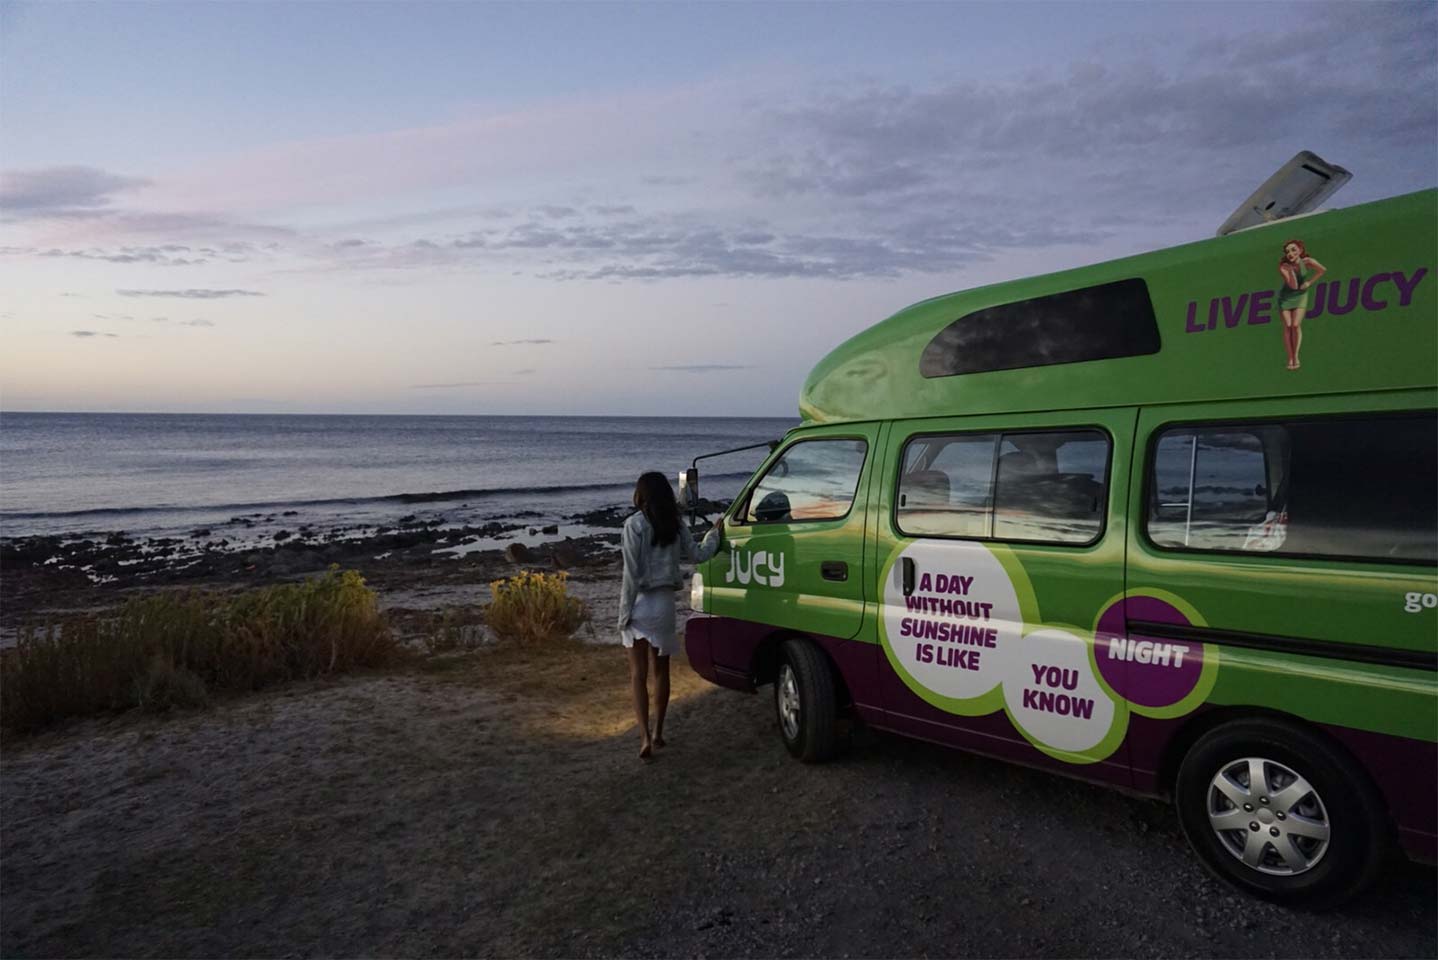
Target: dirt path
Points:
(491, 804)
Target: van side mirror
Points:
(689, 489)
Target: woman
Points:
(653, 542)
(1299, 272)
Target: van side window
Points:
(1095, 323)
(812, 480)
(1353, 487)
(1034, 487)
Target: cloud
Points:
(1086, 146)
(197, 323)
(512, 343)
(191, 294)
(701, 367)
(525, 372)
(455, 386)
(86, 334)
(166, 255)
(60, 191)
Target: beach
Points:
(490, 804)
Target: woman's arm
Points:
(1289, 275)
(710, 544)
(631, 543)
(1318, 271)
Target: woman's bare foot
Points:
(646, 750)
(658, 742)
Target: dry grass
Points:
(177, 649)
(533, 608)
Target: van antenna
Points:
(1299, 186)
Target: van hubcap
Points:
(788, 702)
(1268, 817)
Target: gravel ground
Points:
(491, 804)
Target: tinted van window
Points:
(1363, 488)
(1096, 323)
(812, 480)
(1040, 487)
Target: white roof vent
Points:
(1299, 186)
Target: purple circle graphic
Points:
(1146, 671)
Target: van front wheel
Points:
(1280, 813)
(805, 702)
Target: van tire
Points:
(1336, 799)
(805, 702)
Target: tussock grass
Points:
(533, 608)
(179, 649)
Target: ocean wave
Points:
(270, 506)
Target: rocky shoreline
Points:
(48, 578)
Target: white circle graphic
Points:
(955, 631)
(1050, 691)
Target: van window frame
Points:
(1151, 455)
(1000, 433)
(740, 517)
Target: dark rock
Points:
(552, 528)
(563, 555)
(517, 553)
(282, 535)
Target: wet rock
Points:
(282, 535)
(552, 528)
(517, 553)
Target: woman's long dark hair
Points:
(655, 499)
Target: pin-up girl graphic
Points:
(1299, 272)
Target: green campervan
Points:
(1168, 523)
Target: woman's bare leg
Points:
(661, 694)
(1287, 317)
(1297, 334)
(639, 688)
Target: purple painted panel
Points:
(858, 664)
(722, 649)
(697, 646)
(1405, 771)
(1396, 764)
(992, 734)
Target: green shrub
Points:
(534, 608)
(177, 649)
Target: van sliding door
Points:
(1002, 542)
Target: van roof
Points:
(1214, 331)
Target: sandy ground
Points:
(490, 803)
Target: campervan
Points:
(1167, 523)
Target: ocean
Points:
(158, 475)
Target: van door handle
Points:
(908, 564)
(834, 570)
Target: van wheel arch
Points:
(764, 668)
(1194, 730)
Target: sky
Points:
(620, 209)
